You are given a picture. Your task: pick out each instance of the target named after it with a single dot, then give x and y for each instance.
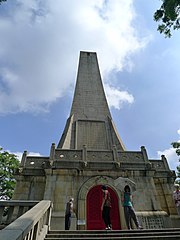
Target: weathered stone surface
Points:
(90, 153)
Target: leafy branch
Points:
(8, 164)
(168, 15)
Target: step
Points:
(168, 233)
(112, 231)
(114, 235)
(120, 237)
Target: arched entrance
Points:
(94, 216)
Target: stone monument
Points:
(90, 153)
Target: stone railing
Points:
(33, 224)
(13, 209)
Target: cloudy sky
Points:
(40, 41)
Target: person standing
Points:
(176, 197)
(68, 213)
(128, 209)
(106, 207)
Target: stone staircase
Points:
(150, 234)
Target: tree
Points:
(176, 145)
(168, 14)
(2, 1)
(8, 164)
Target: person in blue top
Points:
(128, 209)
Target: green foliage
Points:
(168, 14)
(2, 1)
(176, 145)
(8, 163)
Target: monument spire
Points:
(90, 122)
(89, 98)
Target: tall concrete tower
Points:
(90, 122)
(90, 153)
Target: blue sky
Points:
(39, 51)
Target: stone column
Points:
(145, 156)
(115, 156)
(52, 153)
(23, 160)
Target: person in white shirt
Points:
(68, 212)
(176, 197)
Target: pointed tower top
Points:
(90, 121)
(89, 98)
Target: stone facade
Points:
(91, 153)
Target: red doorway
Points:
(94, 217)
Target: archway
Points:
(94, 216)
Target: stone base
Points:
(154, 219)
(175, 221)
(58, 221)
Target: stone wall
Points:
(71, 173)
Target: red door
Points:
(94, 214)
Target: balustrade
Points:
(33, 224)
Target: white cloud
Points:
(117, 98)
(172, 158)
(19, 154)
(40, 44)
(171, 155)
